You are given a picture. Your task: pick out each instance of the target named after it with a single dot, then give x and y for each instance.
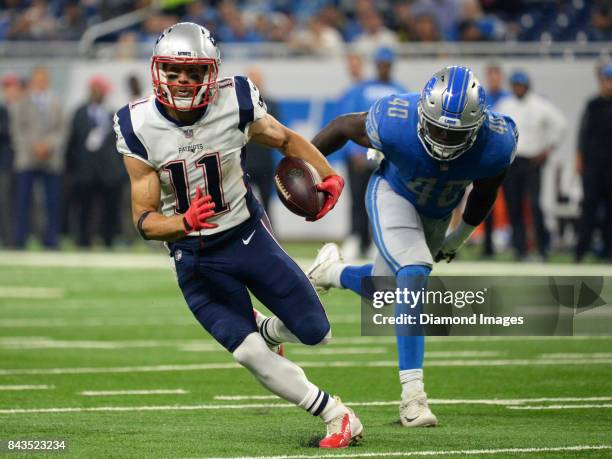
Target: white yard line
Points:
(15, 292)
(159, 260)
(101, 393)
(59, 322)
(576, 355)
(85, 260)
(462, 452)
(26, 387)
(336, 350)
(439, 401)
(304, 364)
(586, 406)
(211, 406)
(49, 343)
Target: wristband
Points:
(140, 223)
(188, 227)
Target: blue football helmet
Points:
(451, 110)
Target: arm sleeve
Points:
(481, 199)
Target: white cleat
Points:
(415, 412)
(321, 272)
(342, 431)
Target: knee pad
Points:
(313, 329)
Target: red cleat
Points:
(343, 430)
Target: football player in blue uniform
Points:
(433, 145)
(184, 150)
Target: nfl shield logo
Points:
(188, 133)
(178, 255)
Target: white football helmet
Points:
(185, 43)
(451, 110)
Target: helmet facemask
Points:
(196, 95)
(444, 142)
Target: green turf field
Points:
(71, 337)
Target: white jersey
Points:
(209, 154)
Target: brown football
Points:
(295, 182)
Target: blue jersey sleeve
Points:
(389, 122)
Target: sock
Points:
(411, 349)
(335, 273)
(284, 378)
(411, 381)
(351, 277)
(274, 332)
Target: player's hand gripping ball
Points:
(296, 182)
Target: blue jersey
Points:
(434, 187)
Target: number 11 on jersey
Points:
(211, 169)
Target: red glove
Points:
(332, 186)
(199, 211)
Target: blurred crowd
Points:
(320, 26)
(61, 177)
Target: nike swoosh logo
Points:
(248, 239)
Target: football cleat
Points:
(320, 273)
(415, 412)
(276, 348)
(342, 431)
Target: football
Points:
(295, 182)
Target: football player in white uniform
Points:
(184, 150)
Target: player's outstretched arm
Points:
(478, 205)
(151, 224)
(342, 129)
(268, 131)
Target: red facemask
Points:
(201, 94)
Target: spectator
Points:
(541, 128)
(425, 29)
(447, 13)
(37, 128)
(601, 21)
(134, 87)
(475, 26)
(72, 23)
(318, 39)
(233, 28)
(199, 12)
(10, 11)
(594, 164)
(13, 88)
(260, 160)
(495, 92)
(35, 23)
(359, 98)
(96, 171)
(127, 46)
(375, 35)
